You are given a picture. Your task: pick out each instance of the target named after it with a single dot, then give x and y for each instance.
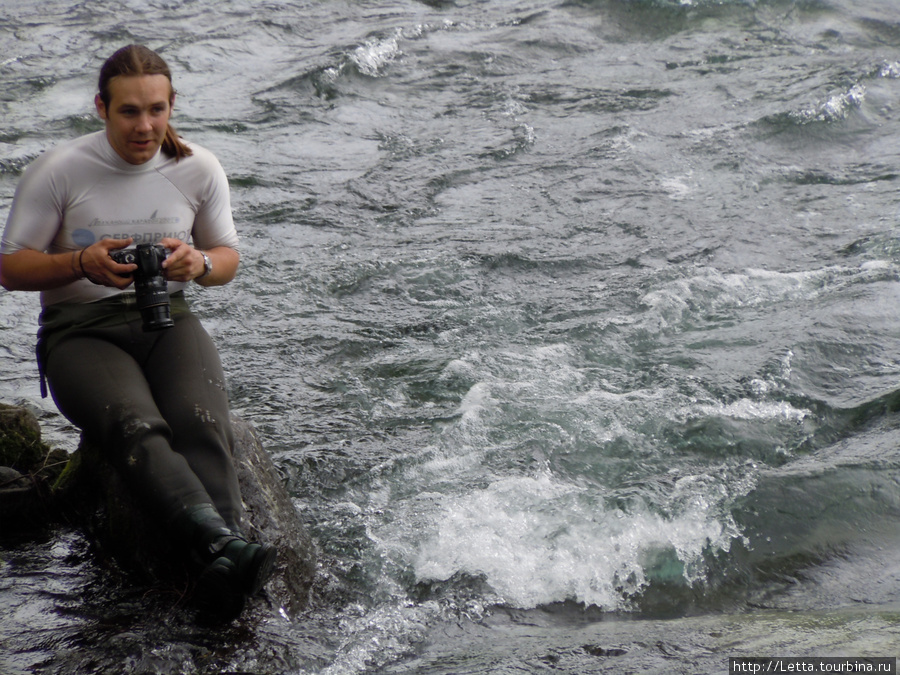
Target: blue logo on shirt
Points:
(83, 238)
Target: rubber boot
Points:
(254, 563)
(232, 567)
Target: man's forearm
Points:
(225, 261)
(29, 270)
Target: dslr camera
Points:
(150, 287)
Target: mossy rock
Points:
(21, 447)
(28, 468)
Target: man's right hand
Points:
(100, 269)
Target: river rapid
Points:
(572, 326)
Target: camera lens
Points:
(152, 297)
(157, 317)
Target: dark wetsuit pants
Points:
(156, 403)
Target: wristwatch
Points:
(207, 265)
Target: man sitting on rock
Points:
(153, 400)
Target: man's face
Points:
(139, 110)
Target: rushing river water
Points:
(573, 326)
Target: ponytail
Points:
(173, 146)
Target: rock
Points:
(18, 498)
(12, 478)
(27, 469)
(91, 494)
(270, 516)
(20, 439)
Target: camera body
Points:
(150, 286)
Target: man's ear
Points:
(101, 107)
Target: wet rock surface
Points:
(67, 518)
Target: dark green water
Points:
(572, 326)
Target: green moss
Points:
(68, 474)
(20, 440)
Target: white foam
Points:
(371, 57)
(537, 540)
(750, 409)
(890, 70)
(837, 107)
(710, 290)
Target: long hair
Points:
(139, 60)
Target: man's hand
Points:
(186, 263)
(102, 270)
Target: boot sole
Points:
(216, 595)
